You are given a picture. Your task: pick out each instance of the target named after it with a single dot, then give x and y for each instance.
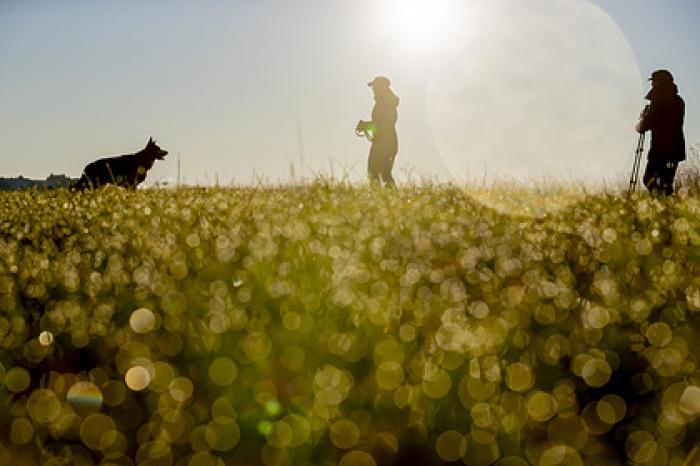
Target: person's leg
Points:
(386, 152)
(372, 166)
(651, 176)
(387, 178)
(668, 173)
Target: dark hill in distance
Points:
(52, 181)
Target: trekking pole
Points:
(634, 177)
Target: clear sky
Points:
(238, 88)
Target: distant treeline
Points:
(53, 181)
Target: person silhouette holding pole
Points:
(664, 118)
(381, 131)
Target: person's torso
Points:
(384, 116)
(667, 138)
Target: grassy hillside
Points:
(329, 324)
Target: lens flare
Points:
(84, 395)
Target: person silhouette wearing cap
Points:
(381, 131)
(664, 118)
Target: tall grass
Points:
(334, 324)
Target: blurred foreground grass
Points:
(336, 325)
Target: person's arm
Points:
(368, 128)
(647, 118)
(365, 127)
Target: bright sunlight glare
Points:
(418, 24)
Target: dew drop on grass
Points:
(137, 378)
(142, 320)
(519, 377)
(407, 332)
(98, 431)
(597, 317)
(181, 389)
(357, 458)
(279, 435)
(291, 321)
(541, 406)
(43, 406)
(21, 431)
(611, 409)
(640, 446)
(223, 371)
(690, 400)
(344, 434)
(389, 375)
(659, 334)
(557, 455)
(46, 338)
(451, 445)
(17, 379)
(437, 385)
(596, 372)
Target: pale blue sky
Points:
(226, 83)
(665, 35)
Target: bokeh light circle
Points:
(137, 378)
(344, 433)
(98, 431)
(541, 406)
(222, 433)
(43, 406)
(46, 338)
(142, 320)
(389, 375)
(357, 458)
(223, 371)
(17, 379)
(451, 445)
(21, 431)
(690, 400)
(181, 389)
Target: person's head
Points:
(662, 86)
(379, 85)
(661, 78)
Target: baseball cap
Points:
(380, 81)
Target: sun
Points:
(417, 24)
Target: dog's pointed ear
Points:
(150, 140)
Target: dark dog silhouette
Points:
(125, 170)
